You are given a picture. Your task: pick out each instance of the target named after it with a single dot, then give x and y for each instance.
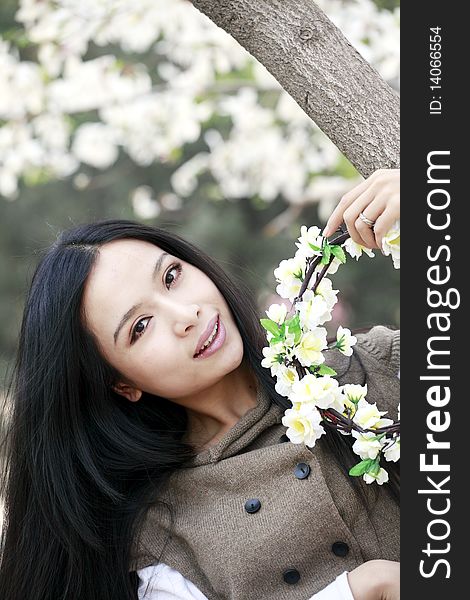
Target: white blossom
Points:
(95, 145)
(326, 291)
(312, 310)
(368, 415)
(391, 244)
(271, 355)
(310, 241)
(323, 392)
(334, 266)
(106, 85)
(367, 446)
(345, 340)
(380, 477)
(286, 378)
(52, 131)
(150, 132)
(309, 349)
(290, 275)
(8, 183)
(144, 204)
(392, 453)
(354, 392)
(303, 425)
(355, 250)
(185, 179)
(51, 59)
(277, 313)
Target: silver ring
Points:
(365, 220)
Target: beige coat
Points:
(302, 531)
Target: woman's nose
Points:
(185, 318)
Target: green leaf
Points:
(293, 322)
(325, 370)
(361, 468)
(338, 253)
(375, 466)
(314, 248)
(293, 325)
(270, 326)
(326, 255)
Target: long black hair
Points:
(81, 464)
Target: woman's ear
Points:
(129, 392)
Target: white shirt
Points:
(161, 582)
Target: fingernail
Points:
(326, 232)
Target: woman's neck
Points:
(221, 410)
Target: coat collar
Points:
(247, 429)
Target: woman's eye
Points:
(178, 268)
(137, 331)
(170, 278)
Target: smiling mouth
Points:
(210, 339)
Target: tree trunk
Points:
(319, 68)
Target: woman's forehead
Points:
(124, 258)
(129, 248)
(119, 266)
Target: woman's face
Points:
(148, 311)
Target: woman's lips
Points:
(206, 333)
(216, 343)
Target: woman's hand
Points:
(378, 199)
(375, 580)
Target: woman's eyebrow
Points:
(131, 311)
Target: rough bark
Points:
(319, 68)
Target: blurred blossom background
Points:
(144, 109)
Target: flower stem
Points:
(338, 240)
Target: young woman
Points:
(146, 457)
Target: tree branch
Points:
(319, 68)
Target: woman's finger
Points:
(337, 216)
(366, 233)
(371, 212)
(358, 230)
(385, 222)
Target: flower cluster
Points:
(297, 344)
(65, 109)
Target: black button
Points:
(283, 438)
(252, 505)
(291, 576)
(302, 470)
(340, 548)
